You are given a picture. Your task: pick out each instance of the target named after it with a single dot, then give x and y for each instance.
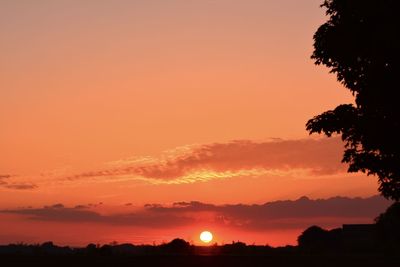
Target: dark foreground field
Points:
(204, 260)
(178, 253)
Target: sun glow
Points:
(206, 236)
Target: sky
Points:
(142, 121)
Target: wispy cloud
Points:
(226, 160)
(271, 215)
(5, 182)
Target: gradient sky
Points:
(112, 105)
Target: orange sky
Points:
(164, 101)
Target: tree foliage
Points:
(360, 44)
(388, 224)
(314, 238)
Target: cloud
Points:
(82, 214)
(287, 214)
(232, 159)
(5, 183)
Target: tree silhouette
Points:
(388, 224)
(315, 238)
(360, 44)
(177, 245)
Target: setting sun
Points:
(206, 236)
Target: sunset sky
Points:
(142, 121)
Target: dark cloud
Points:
(55, 206)
(287, 214)
(80, 214)
(21, 186)
(81, 207)
(6, 183)
(317, 156)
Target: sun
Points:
(206, 236)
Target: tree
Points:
(312, 238)
(360, 44)
(315, 238)
(388, 224)
(177, 245)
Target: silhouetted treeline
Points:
(178, 253)
(175, 247)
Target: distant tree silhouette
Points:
(235, 248)
(388, 224)
(48, 245)
(177, 245)
(315, 238)
(91, 248)
(360, 44)
(312, 238)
